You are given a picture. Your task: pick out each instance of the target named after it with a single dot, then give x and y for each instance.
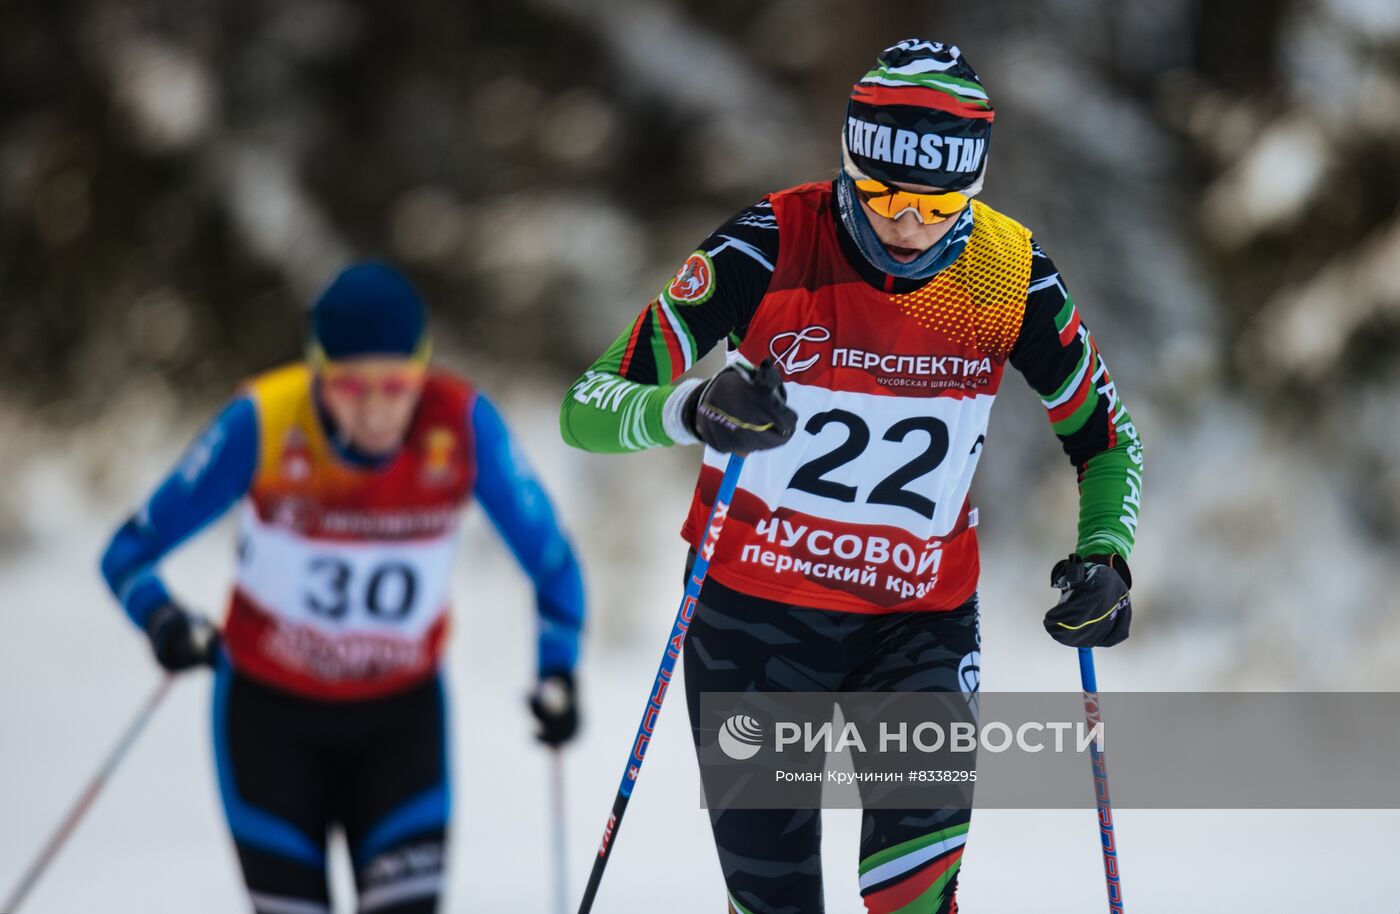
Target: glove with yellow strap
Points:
(1095, 609)
(741, 410)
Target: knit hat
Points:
(369, 309)
(920, 117)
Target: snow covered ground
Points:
(72, 672)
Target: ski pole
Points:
(1111, 873)
(663, 676)
(84, 803)
(561, 887)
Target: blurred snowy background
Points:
(1218, 182)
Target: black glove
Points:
(741, 410)
(181, 639)
(555, 708)
(1094, 609)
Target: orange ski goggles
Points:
(893, 202)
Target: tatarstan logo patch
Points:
(695, 282)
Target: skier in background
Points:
(890, 300)
(353, 470)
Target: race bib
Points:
(397, 588)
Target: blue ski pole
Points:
(1111, 873)
(663, 676)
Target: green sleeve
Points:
(1110, 497)
(609, 414)
(1062, 363)
(628, 399)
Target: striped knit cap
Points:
(920, 117)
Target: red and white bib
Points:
(343, 574)
(866, 508)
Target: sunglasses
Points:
(356, 385)
(892, 202)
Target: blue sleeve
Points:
(518, 506)
(214, 472)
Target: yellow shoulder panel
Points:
(996, 268)
(981, 299)
(282, 399)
